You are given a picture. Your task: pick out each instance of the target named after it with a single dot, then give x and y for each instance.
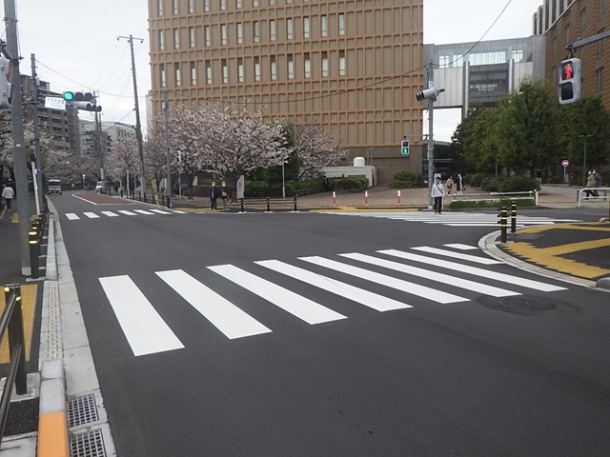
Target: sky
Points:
(76, 47)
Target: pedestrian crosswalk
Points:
(458, 219)
(423, 275)
(121, 212)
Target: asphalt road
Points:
(198, 351)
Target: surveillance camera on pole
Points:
(428, 94)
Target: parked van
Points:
(54, 186)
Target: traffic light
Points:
(569, 81)
(5, 82)
(87, 106)
(78, 96)
(404, 147)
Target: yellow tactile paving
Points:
(15, 218)
(550, 257)
(28, 306)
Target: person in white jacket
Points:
(437, 194)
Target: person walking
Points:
(214, 194)
(597, 178)
(8, 194)
(590, 185)
(437, 194)
(449, 185)
(459, 184)
(326, 183)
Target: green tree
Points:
(475, 140)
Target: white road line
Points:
(457, 255)
(362, 296)
(143, 211)
(388, 281)
(109, 214)
(223, 314)
(433, 276)
(461, 247)
(160, 211)
(72, 216)
(127, 213)
(91, 215)
(515, 280)
(178, 211)
(145, 330)
(297, 305)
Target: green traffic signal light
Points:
(69, 96)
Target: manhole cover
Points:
(525, 305)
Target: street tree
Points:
(475, 139)
(124, 161)
(316, 147)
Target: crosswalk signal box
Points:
(404, 147)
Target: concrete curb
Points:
(52, 423)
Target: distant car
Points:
(100, 187)
(54, 186)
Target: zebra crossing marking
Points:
(145, 330)
(462, 247)
(143, 211)
(297, 305)
(72, 216)
(135, 212)
(110, 214)
(91, 215)
(457, 255)
(127, 213)
(160, 211)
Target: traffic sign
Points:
(565, 163)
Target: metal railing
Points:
(267, 203)
(496, 196)
(12, 319)
(593, 194)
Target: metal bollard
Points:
(268, 205)
(503, 223)
(34, 252)
(33, 240)
(241, 205)
(295, 204)
(169, 202)
(513, 217)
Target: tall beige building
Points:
(353, 65)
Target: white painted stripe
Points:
(362, 296)
(145, 330)
(515, 280)
(457, 255)
(72, 216)
(223, 314)
(433, 276)
(160, 211)
(178, 211)
(461, 247)
(127, 213)
(142, 211)
(109, 214)
(91, 215)
(297, 305)
(388, 281)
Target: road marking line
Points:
(127, 213)
(515, 280)
(160, 211)
(433, 276)
(457, 255)
(297, 305)
(142, 211)
(362, 296)
(223, 314)
(461, 247)
(145, 330)
(72, 216)
(110, 214)
(91, 215)
(388, 281)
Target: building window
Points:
(176, 39)
(223, 34)
(208, 72)
(254, 3)
(175, 7)
(324, 25)
(257, 69)
(238, 4)
(206, 5)
(271, 2)
(305, 27)
(256, 31)
(341, 63)
(191, 6)
(341, 24)
(223, 5)
(177, 72)
(208, 35)
(225, 71)
(290, 67)
(192, 41)
(272, 30)
(324, 64)
(193, 74)
(161, 40)
(273, 68)
(307, 65)
(160, 7)
(162, 75)
(239, 32)
(289, 29)
(240, 70)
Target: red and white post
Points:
(334, 198)
(366, 198)
(398, 198)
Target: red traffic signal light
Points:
(569, 81)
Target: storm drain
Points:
(90, 444)
(82, 410)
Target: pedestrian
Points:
(214, 194)
(459, 184)
(224, 195)
(437, 193)
(8, 194)
(598, 182)
(590, 185)
(449, 185)
(326, 184)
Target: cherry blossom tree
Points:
(124, 160)
(154, 153)
(316, 148)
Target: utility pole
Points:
(168, 184)
(584, 160)
(36, 176)
(130, 39)
(19, 159)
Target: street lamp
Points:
(584, 160)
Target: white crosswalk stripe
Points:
(91, 215)
(117, 213)
(147, 333)
(72, 217)
(110, 214)
(143, 211)
(457, 219)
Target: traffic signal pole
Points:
(36, 176)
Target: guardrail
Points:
(12, 319)
(496, 196)
(593, 197)
(157, 198)
(266, 203)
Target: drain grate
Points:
(82, 410)
(90, 444)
